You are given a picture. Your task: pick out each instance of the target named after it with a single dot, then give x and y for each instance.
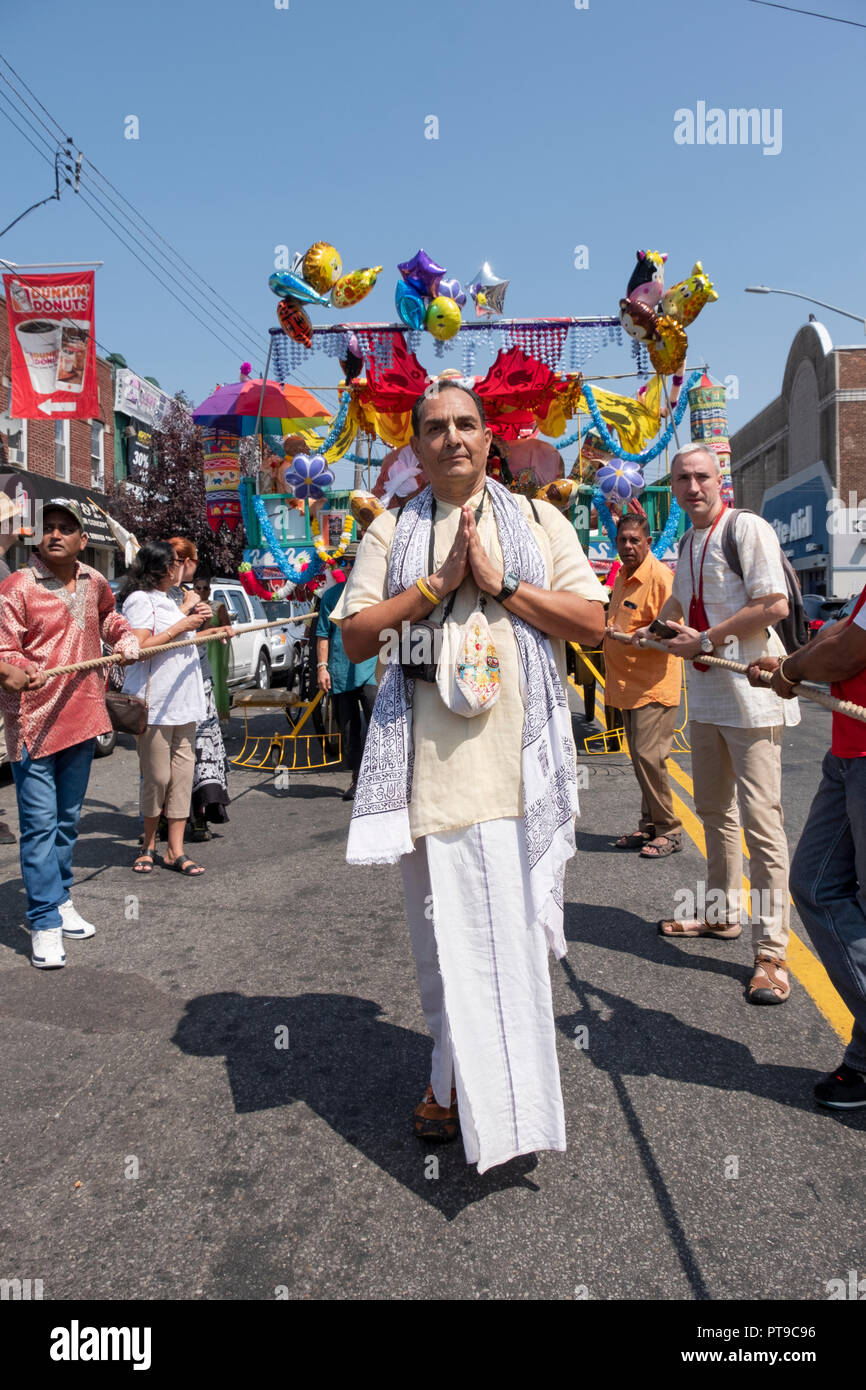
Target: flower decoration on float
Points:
(330, 557)
(308, 476)
(619, 483)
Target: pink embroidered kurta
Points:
(42, 622)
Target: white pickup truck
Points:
(266, 658)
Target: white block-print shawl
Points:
(379, 830)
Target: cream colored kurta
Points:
(468, 770)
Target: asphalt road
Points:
(160, 1141)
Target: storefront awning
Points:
(40, 490)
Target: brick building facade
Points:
(801, 462)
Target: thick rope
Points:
(803, 688)
(209, 636)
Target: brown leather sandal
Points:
(672, 926)
(632, 841)
(662, 846)
(434, 1122)
(770, 983)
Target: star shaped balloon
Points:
(488, 292)
(422, 274)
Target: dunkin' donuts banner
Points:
(52, 349)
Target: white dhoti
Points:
(485, 989)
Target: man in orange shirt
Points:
(645, 685)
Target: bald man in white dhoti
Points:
(469, 773)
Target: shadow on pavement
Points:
(363, 1076)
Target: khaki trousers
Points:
(166, 755)
(650, 733)
(742, 768)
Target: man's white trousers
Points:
(485, 989)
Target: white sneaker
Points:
(73, 923)
(46, 948)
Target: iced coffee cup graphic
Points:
(72, 362)
(40, 344)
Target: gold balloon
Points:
(669, 354)
(322, 266)
(365, 507)
(443, 317)
(561, 492)
(352, 288)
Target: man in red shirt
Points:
(54, 612)
(828, 871)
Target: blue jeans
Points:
(828, 884)
(50, 795)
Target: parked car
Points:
(298, 631)
(264, 658)
(832, 609)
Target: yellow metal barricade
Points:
(296, 751)
(612, 740)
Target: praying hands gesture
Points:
(466, 556)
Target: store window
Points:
(97, 457)
(16, 437)
(61, 450)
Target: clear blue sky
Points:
(262, 126)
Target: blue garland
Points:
(267, 530)
(668, 535)
(661, 443)
(337, 425)
(604, 515)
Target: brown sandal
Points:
(767, 986)
(672, 844)
(435, 1122)
(672, 926)
(632, 841)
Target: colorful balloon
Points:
(453, 289)
(287, 285)
(411, 308)
(422, 273)
(351, 289)
(295, 321)
(443, 317)
(668, 353)
(488, 292)
(322, 266)
(647, 281)
(365, 507)
(561, 492)
(619, 482)
(685, 300)
(353, 362)
(639, 320)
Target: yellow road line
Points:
(804, 964)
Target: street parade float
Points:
(538, 397)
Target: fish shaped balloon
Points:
(351, 289)
(286, 284)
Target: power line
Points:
(105, 180)
(813, 14)
(194, 295)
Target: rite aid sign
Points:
(797, 511)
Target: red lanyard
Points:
(699, 591)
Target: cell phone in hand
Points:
(662, 630)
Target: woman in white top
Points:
(173, 687)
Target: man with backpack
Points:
(730, 585)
